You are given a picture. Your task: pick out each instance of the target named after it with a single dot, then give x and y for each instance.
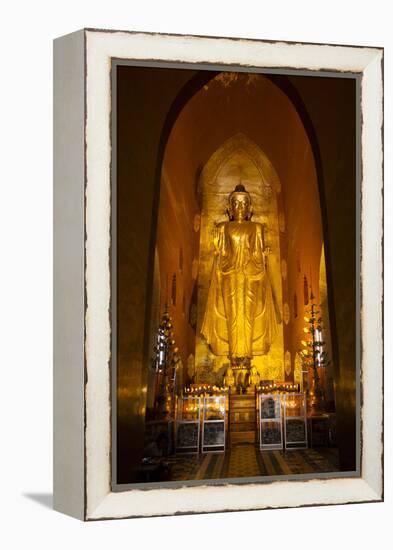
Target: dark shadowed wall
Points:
(331, 113)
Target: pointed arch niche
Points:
(239, 160)
(237, 127)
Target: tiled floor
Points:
(249, 461)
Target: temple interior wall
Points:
(150, 102)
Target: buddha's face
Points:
(240, 207)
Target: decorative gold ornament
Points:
(287, 362)
(191, 366)
(286, 313)
(254, 376)
(229, 379)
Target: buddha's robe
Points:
(241, 316)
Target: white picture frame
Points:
(82, 240)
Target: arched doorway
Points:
(255, 134)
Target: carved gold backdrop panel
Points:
(239, 160)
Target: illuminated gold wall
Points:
(177, 243)
(303, 228)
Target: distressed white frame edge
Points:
(68, 274)
(101, 503)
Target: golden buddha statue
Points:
(229, 379)
(241, 315)
(254, 376)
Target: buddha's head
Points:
(239, 207)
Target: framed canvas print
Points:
(218, 274)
